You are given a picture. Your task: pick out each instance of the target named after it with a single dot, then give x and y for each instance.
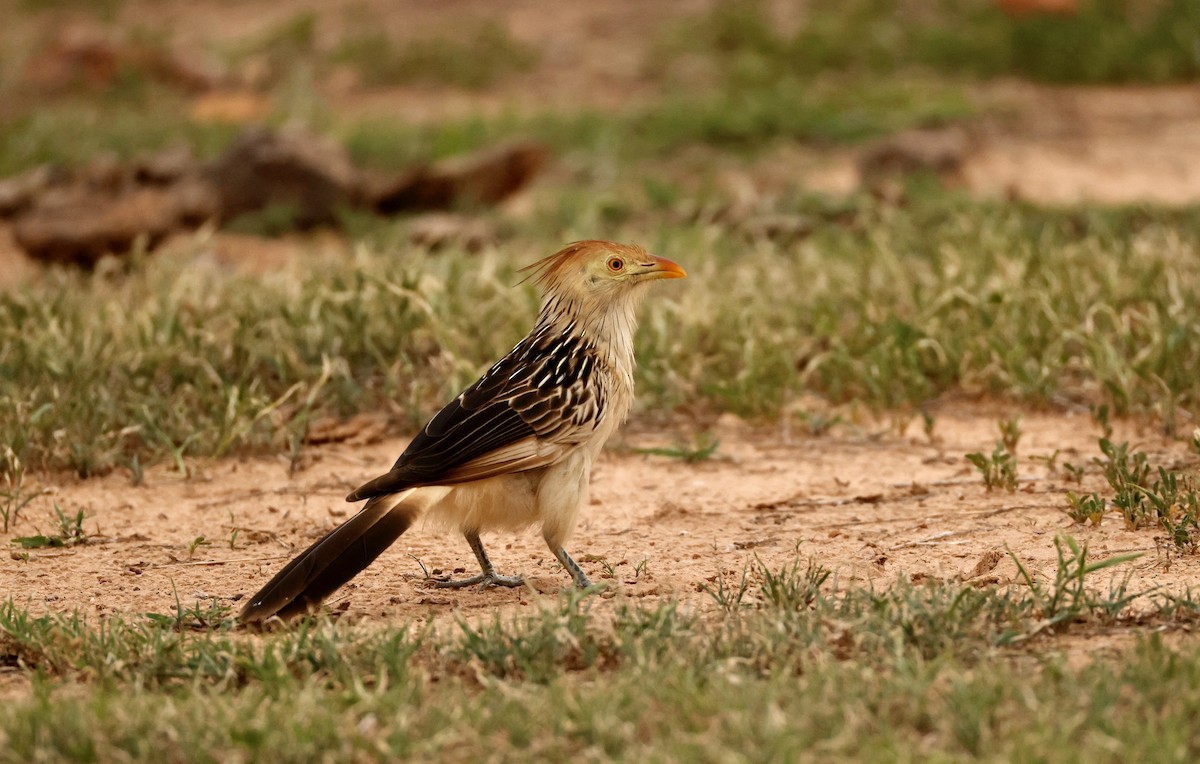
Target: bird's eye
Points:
(616, 264)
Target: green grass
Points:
(1106, 41)
(70, 532)
(188, 361)
(796, 668)
(484, 57)
(74, 131)
(829, 110)
(475, 60)
(881, 306)
(1166, 497)
(999, 469)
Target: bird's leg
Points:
(581, 579)
(488, 576)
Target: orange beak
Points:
(664, 269)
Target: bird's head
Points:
(600, 271)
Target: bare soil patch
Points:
(1104, 145)
(873, 507)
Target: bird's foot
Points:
(568, 562)
(484, 580)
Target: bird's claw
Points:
(483, 580)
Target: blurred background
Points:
(1054, 101)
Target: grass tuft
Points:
(1104, 41)
(1171, 502)
(855, 672)
(70, 532)
(890, 307)
(487, 55)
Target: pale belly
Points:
(504, 502)
(549, 497)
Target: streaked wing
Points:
(522, 414)
(525, 454)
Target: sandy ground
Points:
(871, 506)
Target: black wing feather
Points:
(505, 406)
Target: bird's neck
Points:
(609, 329)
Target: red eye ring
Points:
(616, 264)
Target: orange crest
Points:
(544, 271)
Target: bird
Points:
(513, 450)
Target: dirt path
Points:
(870, 508)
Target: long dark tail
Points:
(333, 559)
